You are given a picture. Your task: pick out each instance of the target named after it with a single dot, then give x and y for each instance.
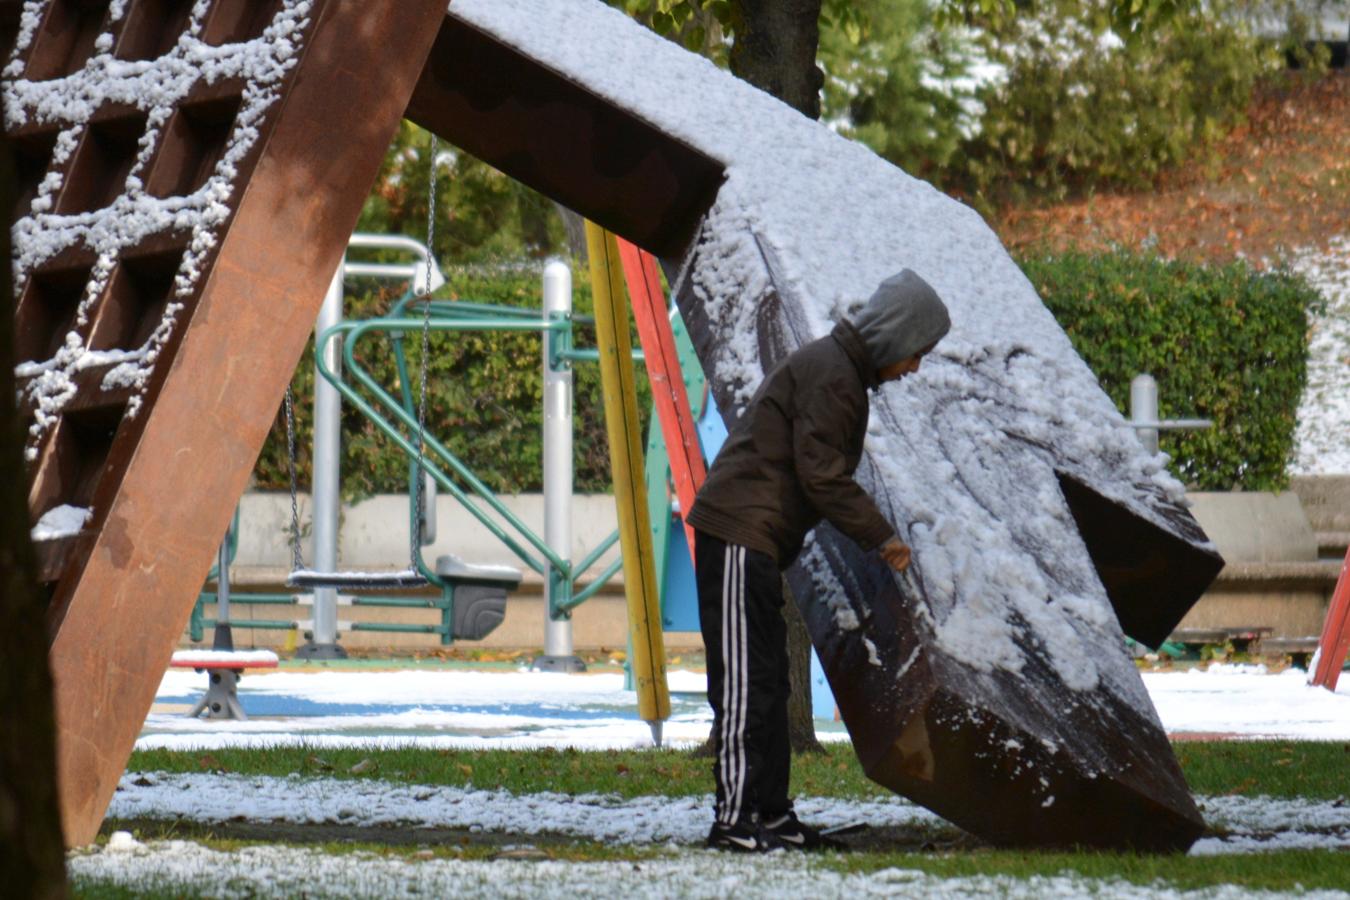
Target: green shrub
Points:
(484, 399)
(1225, 343)
(1043, 102)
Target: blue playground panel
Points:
(679, 593)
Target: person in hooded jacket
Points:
(787, 464)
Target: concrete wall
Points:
(373, 535)
(1326, 500)
(1255, 526)
(1273, 578)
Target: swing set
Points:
(652, 553)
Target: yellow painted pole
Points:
(630, 488)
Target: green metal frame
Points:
(398, 421)
(453, 316)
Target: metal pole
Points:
(558, 655)
(322, 643)
(224, 636)
(1144, 409)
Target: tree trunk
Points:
(774, 49)
(32, 853)
(801, 717)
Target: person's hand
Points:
(896, 554)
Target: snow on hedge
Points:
(1324, 411)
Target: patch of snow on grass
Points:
(1252, 824)
(263, 871)
(1244, 701)
(372, 803)
(463, 709)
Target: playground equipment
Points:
(152, 344)
(481, 589)
(630, 490)
(1334, 645)
(222, 664)
(472, 598)
(1144, 413)
(326, 579)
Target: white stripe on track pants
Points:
(740, 602)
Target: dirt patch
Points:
(1279, 182)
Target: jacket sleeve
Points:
(820, 429)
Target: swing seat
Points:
(478, 594)
(405, 579)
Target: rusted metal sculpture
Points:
(189, 176)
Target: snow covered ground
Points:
(286, 872)
(522, 709)
(1249, 824)
(1324, 413)
(527, 709)
(459, 707)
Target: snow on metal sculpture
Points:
(188, 173)
(992, 684)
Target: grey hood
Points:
(903, 316)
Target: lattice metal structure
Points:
(189, 171)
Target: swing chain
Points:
(297, 561)
(412, 578)
(419, 481)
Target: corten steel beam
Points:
(162, 484)
(563, 140)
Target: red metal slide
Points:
(652, 314)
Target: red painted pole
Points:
(652, 315)
(1335, 642)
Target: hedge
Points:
(484, 400)
(1227, 343)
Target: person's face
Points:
(907, 366)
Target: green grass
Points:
(1272, 768)
(629, 773)
(1316, 771)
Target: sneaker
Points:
(793, 834)
(746, 836)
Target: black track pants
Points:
(740, 604)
